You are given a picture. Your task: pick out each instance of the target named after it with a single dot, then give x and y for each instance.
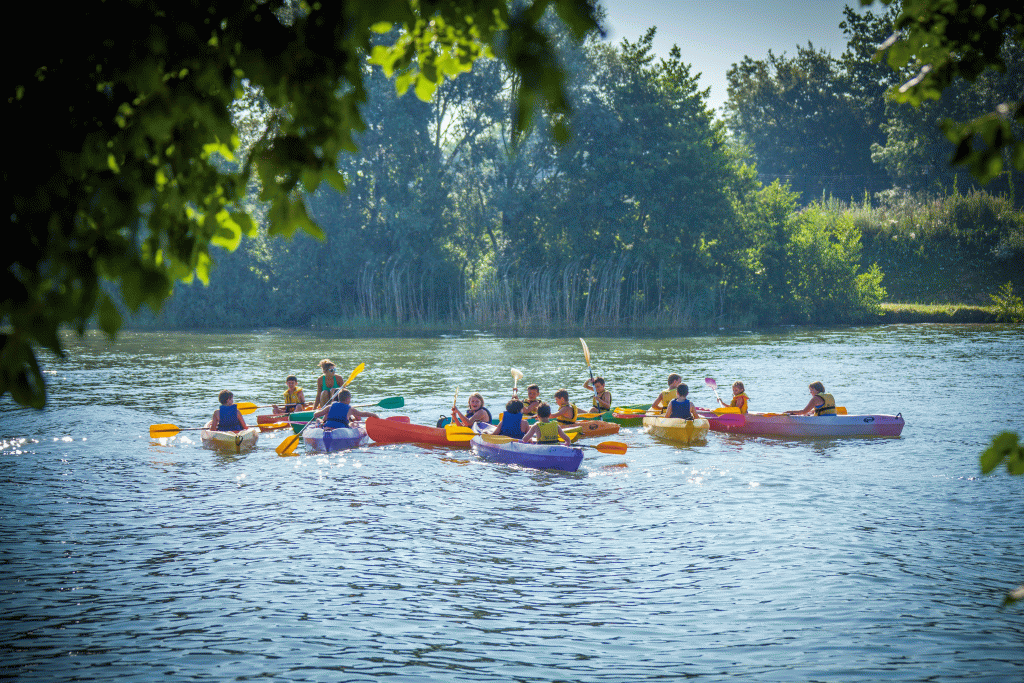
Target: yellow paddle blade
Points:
(247, 407)
(730, 409)
(161, 431)
(586, 351)
(288, 445)
(458, 432)
(588, 416)
(359, 368)
(615, 447)
(497, 438)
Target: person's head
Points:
(674, 379)
(476, 401)
(562, 397)
(543, 411)
(816, 388)
(344, 396)
(533, 391)
(326, 366)
(682, 390)
(599, 384)
(514, 406)
(226, 398)
(291, 381)
(737, 388)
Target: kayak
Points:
(392, 431)
(589, 428)
(299, 419)
(626, 416)
(233, 442)
(274, 418)
(780, 424)
(336, 439)
(676, 429)
(532, 455)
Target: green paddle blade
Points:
(393, 402)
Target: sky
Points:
(714, 34)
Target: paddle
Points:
(613, 447)
(247, 408)
(586, 355)
(168, 430)
(733, 419)
(458, 432)
(516, 376)
(288, 445)
(710, 381)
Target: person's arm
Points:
(741, 404)
(301, 399)
(564, 411)
(215, 420)
(241, 420)
(723, 402)
(360, 414)
(693, 411)
(657, 404)
(587, 385)
(809, 408)
(565, 437)
(531, 433)
(458, 418)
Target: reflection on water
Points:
(747, 558)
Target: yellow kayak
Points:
(677, 429)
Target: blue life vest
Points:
(680, 409)
(228, 421)
(337, 416)
(511, 425)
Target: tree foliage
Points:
(119, 169)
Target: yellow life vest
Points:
(598, 408)
(526, 411)
(292, 397)
(575, 414)
(826, 408)
(735, 401)
(547, 432)
(667, 396)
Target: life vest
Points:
(668, 396)
(228, 421)
(511, 425)
(736, 401)
(575, 415)
(828, 407)
(547, 432)
(531, 413)
(471, 413)
(597, 402)
(679, 409)
(292, 398)
(337, 416)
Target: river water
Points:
(741, 558)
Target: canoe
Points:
(532, 455)
(676, 429)
(780, 424)
(333, 440)
(393, 431)
(231, 442)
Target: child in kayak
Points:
(602, 399)
(544, 430)
(293, 397)
(680, 407)
(476, 412)
(567, 412)
(512, 422)
(661, 403)
(739, 398)
(820, 403)
(227, 418)
(326, 384)
(340, 413)
(532, 401)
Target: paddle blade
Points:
(497, 438)
(162, 431)
(841, 410)
(516, 375)
(359, 368)
(393, 402)
(458, 433)
(287, 446)
(727, 410)
(586, 351)
(710, 381)
(613, 447)
(247, 407)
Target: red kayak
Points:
(393, 431)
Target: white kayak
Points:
(780, 424)
(331, 440)
(234, 442)
(676, 429)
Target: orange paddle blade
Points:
(613, 447)
(287, 446)
(161, 431)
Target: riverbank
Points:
(937, 313)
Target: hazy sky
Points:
(715, 34)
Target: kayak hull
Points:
(531, 455)
(334, 440)
(625, 416)
(391, 431)
(778, 424)
(676, 429)
(229, 442)
(591, 428)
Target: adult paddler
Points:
(326, 384)
(821, 403)
(665, 397)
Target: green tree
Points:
(946, 40)
(121, 107)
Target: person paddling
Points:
(821, 403)
(512, 423)
(545, 430)
(293, 397)
(680, 407)
(476, 412)
(739, 398)
(661, 403)
(227, 418)
(602, 398)
(532, 401)
(567, 413)
(326, 384)
(340, 413)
